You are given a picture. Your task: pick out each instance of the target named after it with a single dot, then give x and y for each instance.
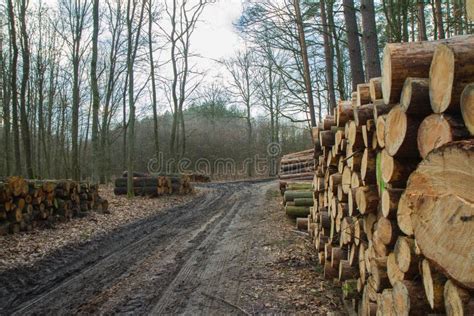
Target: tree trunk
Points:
(304, 57)
(328, 56)
(369, 37)
(439, 19)
(421, 21)
(355, 55)
(95, 94)
(14, 89)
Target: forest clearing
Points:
(218, 157)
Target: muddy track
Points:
(186, 259)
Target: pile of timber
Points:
(297, 199)
(26, 204)
(393, 214)
(155, 185)
(297, 166)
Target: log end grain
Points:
(467, 104)
(441, 78)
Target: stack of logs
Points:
(297, 199)
(26, 204)
(155, 185)
(298, 166)
(397, 231)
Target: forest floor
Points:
(229, 249)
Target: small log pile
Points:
(297, 166)
(297, 200)
(155, 185)
(26, 204)
(393, 214)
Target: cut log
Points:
(405, 255)
(400, 133)
(330, 273)
(467, 106)
(395, 172)
(457, 301)
(363, 113)
(292, 195)
(346, 179)
(302, 223)
(439, 129)
(303, 201)
(440, 194)
(380, 108)
(415, 98)
(378, 269)
(367, 199)
(363, 94)
(297, 211)
(337, 254)
(409, 299)
(385, 303)
(326, 138)
(394, 273)
(411, 59)
(375, 88)
(451, 70)
(390, 199)
(433, 282)
(354, 136)
(368, 166)
(346, 271)
(328, 122)
(380, 130)
(404, 211)
(344, 113)
(387, 231)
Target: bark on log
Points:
(439, 129)
(411, 59)
(415, 98)
(363, 94)
(297, 211)
(346, 271)
(400, 133)
(440, 191)
(375, 87)
(291, 195)
(467, 106)
(409, 299)
(363, 113)
(303, 201)
(451, 70)
(344, 113)
(302, 223)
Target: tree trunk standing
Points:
(421, 21)
(132, 48)
(369, 37)
(14, 94)
(337, 47)
(174, 83)
(153, 83)
(304, 57)
(353, 43)
(329, 57)
(439, 19)
(5, 105)
(40, 70)
(125, 124)
(95, 93)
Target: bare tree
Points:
(369, 38)
(133, 37)
(355, 55)
(244, 88)
(95, 92)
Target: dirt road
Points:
(208, 256)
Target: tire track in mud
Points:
(131, 269)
